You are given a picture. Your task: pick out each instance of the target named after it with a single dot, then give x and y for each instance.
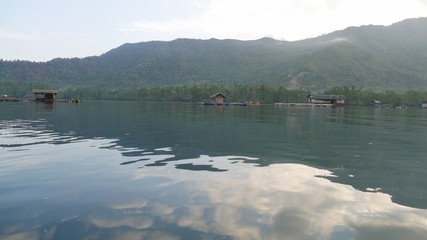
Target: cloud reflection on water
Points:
(284, 201)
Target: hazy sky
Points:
(40, 30)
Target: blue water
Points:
(132, 170)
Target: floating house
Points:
(45, 95)
(318, 101)
(337, 100)
(218, 98)
(377, 104)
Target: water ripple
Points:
(20, 133)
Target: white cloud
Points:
(291, 20)
(169, 27)
(19, 36)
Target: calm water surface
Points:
(132, 170)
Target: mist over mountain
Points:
(371, 57)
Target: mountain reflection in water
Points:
(101, 190)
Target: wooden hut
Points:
(45, 95)
(338, 100)
(377, 104)
(218, 98)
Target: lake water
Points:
(134, 170)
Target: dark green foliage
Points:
(193, 93)
(247, 93)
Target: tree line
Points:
(193, 93)
(234, 93)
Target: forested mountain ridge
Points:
(372, 57)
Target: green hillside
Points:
(372, 57)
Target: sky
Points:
(41, 30)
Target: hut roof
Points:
(40, 91)
(326, 97)
(217, 94)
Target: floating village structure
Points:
(318, 101)
(44, 95)
(41, 95)
(49, 96)
(218, 99)
(6, 98)
(377, 104)
(338, 100)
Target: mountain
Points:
(372, 57)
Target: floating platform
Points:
(305, 105)
(72, 100)
(9, 100)
(231, 104)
